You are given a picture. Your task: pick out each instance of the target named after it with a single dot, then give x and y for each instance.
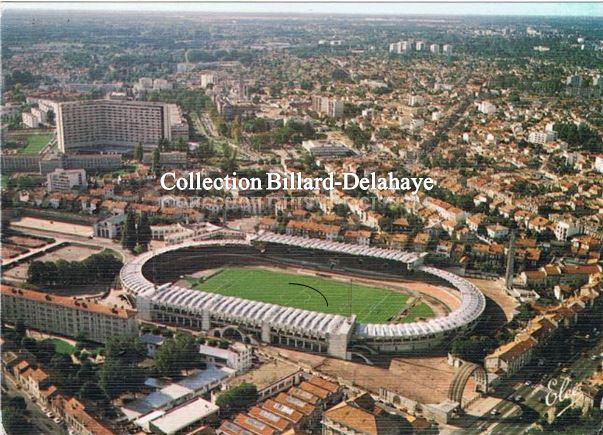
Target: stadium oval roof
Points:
(309, 322)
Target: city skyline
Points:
(431, 8)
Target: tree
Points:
(117, 377)
(120, 372)
(128, 236)
(156, 165)
(138, 152)
(85, 373)
(472, 349)
(20, 330)
(37, 273)
(13, 419)
(90, 390)
(182, 145)
(102, 266)
(127, 348)
(237, 399)
(143, 232)
(80, 340)
(45, 351)
(177, 354)
(235, 130)
(64, 371)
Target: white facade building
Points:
(97, 123)
(486, 108)
(599, 163)
(30, 120)
(237, 356)
(566, 228)
(207, 79)
(66, 179)
(415, 100)
(328, 106)
(542, 137)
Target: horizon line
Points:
(385, 8)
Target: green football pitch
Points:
(370, 304)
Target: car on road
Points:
(528, 382)
(518, 398)
(495, 412)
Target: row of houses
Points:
(37, 382)
(298, 408)
(511, 357)
(552, 275)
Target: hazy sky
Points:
(435, 8)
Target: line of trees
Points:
(580, 137)
(100, 267)
(136, 232)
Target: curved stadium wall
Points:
(149, 278)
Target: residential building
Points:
(66, 179)
(486, 108)
(65, 315)
(207, 79)
(81, 422)
(236, 357)
(542, 137)
(30, 120)
(360, 416)
(326, 148)
(328, 106)
(599, 163)
(91, 124)
(111, 227)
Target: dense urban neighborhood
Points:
(466, 303)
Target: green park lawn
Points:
(35, 143)
(62, 346)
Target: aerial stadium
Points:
(313, 313)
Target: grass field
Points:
(61, 346)
(419, 310)
(370, 304)
(35, 143)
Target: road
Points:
(72, 238)
(205, 127)
(517, 417)
(33, 252)
(40, 424)
(200, 127)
